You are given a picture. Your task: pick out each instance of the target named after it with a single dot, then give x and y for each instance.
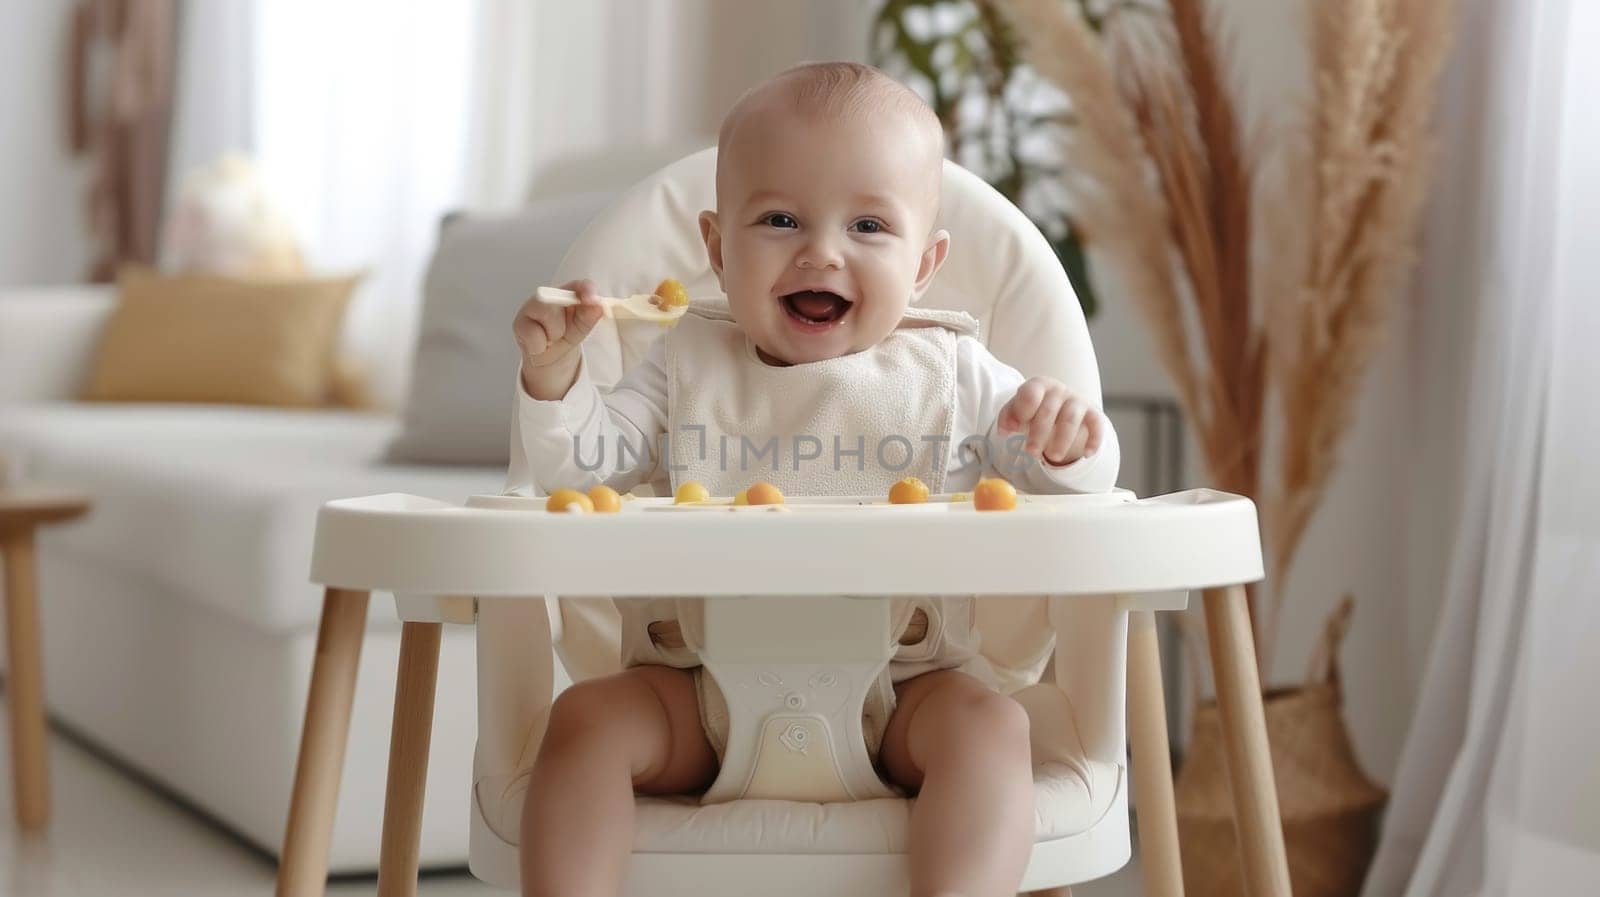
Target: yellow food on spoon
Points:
(605, 500)
(690, 492)
(672, 294)
(569, 500)
(909, 491)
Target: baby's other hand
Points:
(1061, 427)
(549, 336)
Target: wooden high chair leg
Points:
(1244, 735)
(1156, 810)
(303, 865)
(408, 759)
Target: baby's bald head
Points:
(827, 205)
(839, 93)
(836, 90)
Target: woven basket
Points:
(1330, 809)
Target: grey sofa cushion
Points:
(464, 374)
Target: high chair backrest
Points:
(1000, 270)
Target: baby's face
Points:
(823, 232)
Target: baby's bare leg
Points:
(637, 731)
(966, 748)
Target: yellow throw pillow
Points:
(207, 338)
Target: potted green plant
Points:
(998, 115)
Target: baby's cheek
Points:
(887, 299)
(737, 279)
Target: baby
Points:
(827, 188)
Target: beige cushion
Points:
(206, 338)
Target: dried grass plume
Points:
(1286, 313)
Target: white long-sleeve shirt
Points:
(548, 437)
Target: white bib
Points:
(852, 425)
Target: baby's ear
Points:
(712, 235)
(932, 260)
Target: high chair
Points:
(796, 810)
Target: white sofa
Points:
(179, 623)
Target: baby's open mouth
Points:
(816, 307)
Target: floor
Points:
(112, 835)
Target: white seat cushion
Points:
(1068, 800)
(1072, 793)
(682, 849)
(853, 849)
(218, 503)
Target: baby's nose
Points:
(820, 252)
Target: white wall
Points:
(42, 237)
(668, 72)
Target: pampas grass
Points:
(1163, 192)
(1117, 207)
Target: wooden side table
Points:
(22, 509)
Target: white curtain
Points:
(362, 123)
(1498, 790)
(558, 79)
(357, 114)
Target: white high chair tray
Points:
(1067, 544)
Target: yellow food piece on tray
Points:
(690, 491)
(569, 500)
(672, 294)
(742, 499)
(909, 491)
(763, 494)
(961, 496)
(605, 500)
(994, 495)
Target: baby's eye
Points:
(868, 226)
(780, 219)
